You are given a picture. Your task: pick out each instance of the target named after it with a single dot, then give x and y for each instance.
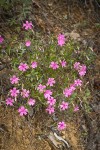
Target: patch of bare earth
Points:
(18, 133)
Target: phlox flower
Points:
(51, 81)
(63, 63)
(14, 92)
(22, 110)
(50, 109)
(9, 101)
(54, 65)
(67, 92)
(78, 82)
(28, 43)
(27, 25)
(25, 93)
(1, 39)
(61, 39)
(31, 102)
(14, 79)
(23, 67)
(77, 65)
(34, 64)
(72, 87)
(61, 125)
(41, 87)
(82, 70)
(47, 93)
(76, 108)
(64, 105)
(51, 101)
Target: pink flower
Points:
(54, 65)
(34, 64)
(9, 101)
(63, 63)
(25, 93)
(41, 87)
(50, 110)
(14, 92)
(1, 39)
(51, 81)
(61, 125)
(67, 92)
(27, 25)
(77, 65)
(72, 87)
(23, 111)
(82, 70)
(47, 93)
(78, 82)
(61, 39)
(51, 101)
(28, 43)
(76, 108)
(31, 102)
(14, 79)
(23, 67)
(64, 105)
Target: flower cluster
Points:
(14, 93)
(80, 68)
(54, 65)
(44, 89)
(69, 91)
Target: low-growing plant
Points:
(46, 73)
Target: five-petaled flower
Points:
(23, 111)
(27, 25)
(23, 67)
(67, 92)
(31, 102)
(61, 125)
(54, 65)
(14, 92)
(47, 94)
(64, 105)
(51, 81)
(51, 101)
(50, 109)
(76, 108)
(34, 64)
(41, 88)
(9, 101)
(63, 63)
(78, 82)
(14, 79)
(28, 43)
(25, 93)
(77, 65)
